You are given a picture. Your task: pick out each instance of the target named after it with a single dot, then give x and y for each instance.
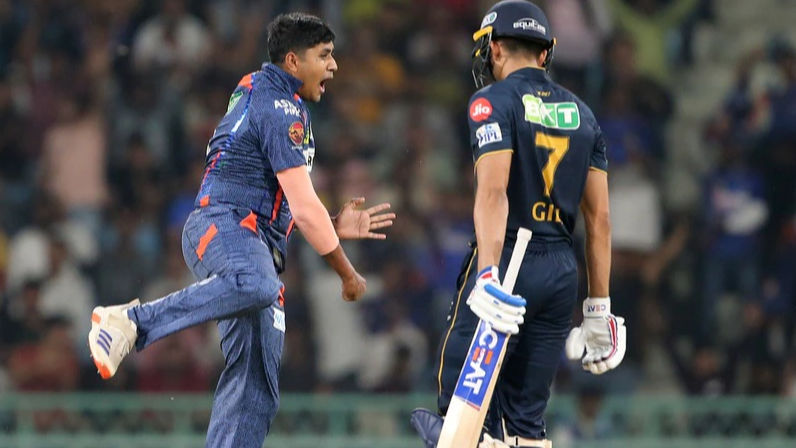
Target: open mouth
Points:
(323, 85)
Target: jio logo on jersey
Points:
(481, 109)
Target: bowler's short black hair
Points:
(296, 32)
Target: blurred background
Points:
(105, 111)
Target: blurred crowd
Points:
(106, 109)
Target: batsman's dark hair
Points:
(530, 48)
(296, 32)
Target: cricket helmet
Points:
(519, 19)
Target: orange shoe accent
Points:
(205, 201)
(205, 240)
(95, 318)
(104, 372)
(250, 222)
(282, 296)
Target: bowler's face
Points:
(316, 67)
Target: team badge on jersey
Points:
(488, 133)
(233, 100)
(481, 109)
(296, 133)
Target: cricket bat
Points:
(473, 392)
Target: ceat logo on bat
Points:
(481, 109)
(480, 366)
(296, 133)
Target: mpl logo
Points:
(480, 366)
(481, 109)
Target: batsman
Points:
(539, 156)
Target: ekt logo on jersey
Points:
(482, 361)
(481, 109)
(564, 116)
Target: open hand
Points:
(352, 224)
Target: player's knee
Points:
(256, 290)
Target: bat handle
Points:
(523, 238)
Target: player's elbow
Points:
(598, 222)
(303, 214)
(316, 226)
(493, 195)
(490, 200)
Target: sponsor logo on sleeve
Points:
(233, 100)
(481, 109)
(296, 133)
(488, 133)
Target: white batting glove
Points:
(489, 442)
(602, 335)
(493, 305)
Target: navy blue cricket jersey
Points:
(266, 130)
(555, 141)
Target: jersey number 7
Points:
(558, 146)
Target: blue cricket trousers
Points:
(239, 287)
(548, 280)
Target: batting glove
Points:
(602, 335)
(489, 442)
(493, 305)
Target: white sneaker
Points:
(112, 337)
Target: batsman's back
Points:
(555, 141)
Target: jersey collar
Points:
(534, 73)
(283, 80)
